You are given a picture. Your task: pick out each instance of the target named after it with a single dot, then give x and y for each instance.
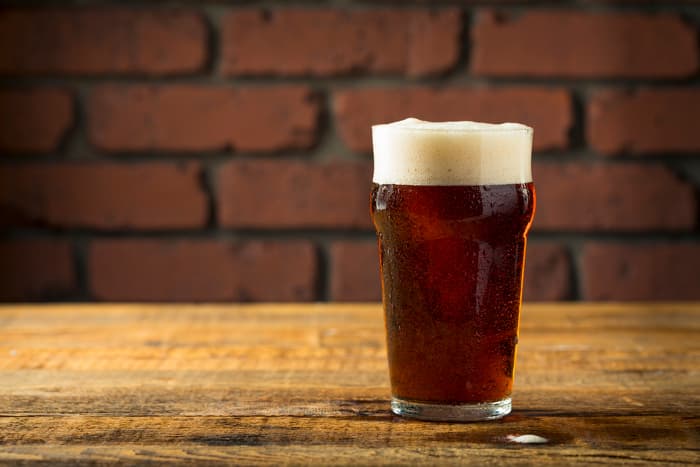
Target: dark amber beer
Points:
(452, 204)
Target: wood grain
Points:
(305, 384)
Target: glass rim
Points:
(504, 127)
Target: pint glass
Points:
(452, 203)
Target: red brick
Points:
(34, 120)
(202, 270)
(619, 197)
(197, 118)
(86, 41)
(585, 45)
(302, 41)
(103, 196)
(647, 121)
(354, 272)
(35, 269)
(294, 194)
(547, 273)
(547, 110)
(662, 271)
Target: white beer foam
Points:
(416, 152)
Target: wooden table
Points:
(304, 384)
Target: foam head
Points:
(415, 152)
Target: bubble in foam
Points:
(416, 152)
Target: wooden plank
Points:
(139, 454)
(540, 315)
(320, 401)
(602, 432)
(603, 383)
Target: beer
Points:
(452, 204)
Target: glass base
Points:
(451, 413)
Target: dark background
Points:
(220, 151)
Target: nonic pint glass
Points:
(452, 203)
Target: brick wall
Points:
(220, 150)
